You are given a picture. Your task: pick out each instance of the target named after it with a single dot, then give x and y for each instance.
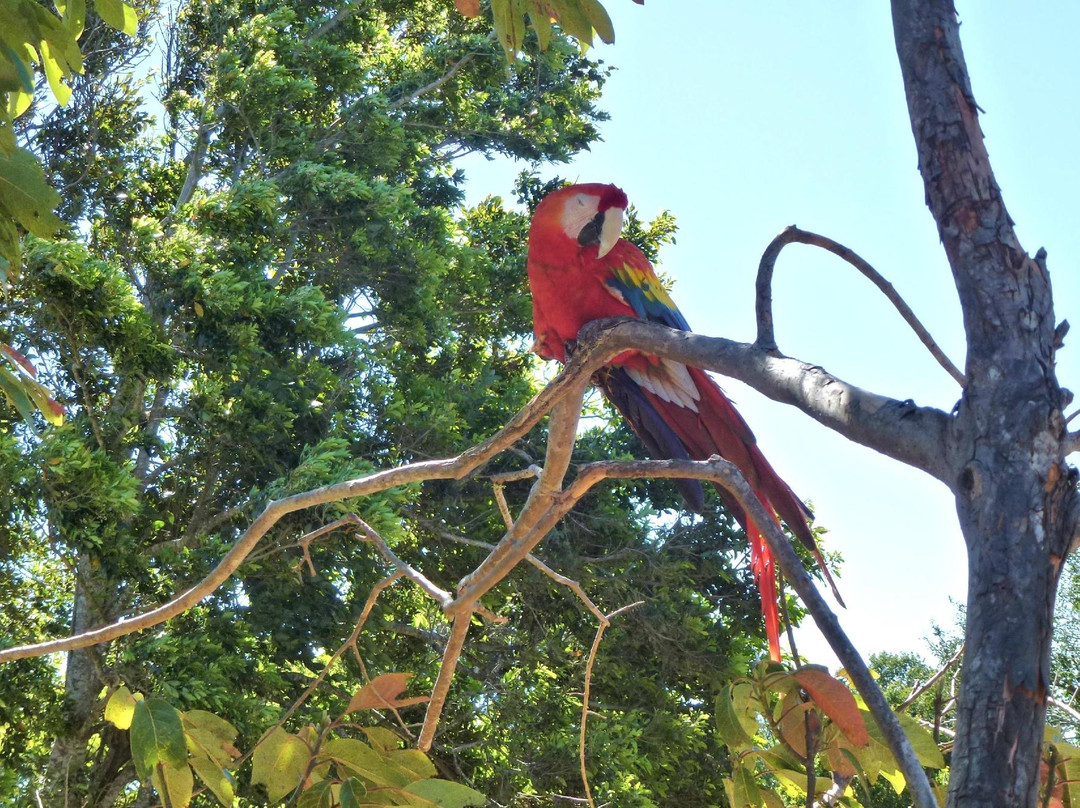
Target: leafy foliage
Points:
(786, 726)
(269, 283)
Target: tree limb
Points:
(902, 430)
(763, 306)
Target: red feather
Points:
(572, 285)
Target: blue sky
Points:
(742, 118)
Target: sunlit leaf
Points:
(174, 784)
(120, 708)
(214, 777)
(26, 196)
(835, 700)
(118, 15)
(278, 763)
(382, 692)
(446, 793)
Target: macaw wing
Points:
(635, 283)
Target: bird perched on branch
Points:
(581, 270)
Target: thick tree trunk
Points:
(65, 779)
(1015, 497)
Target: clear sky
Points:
(742, 118)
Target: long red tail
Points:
(717, 428)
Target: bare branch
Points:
(766, 338)
(571, 381)
(919, 689)
(605, 621)
(458, 631)
(918, 436)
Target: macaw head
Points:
(590, 214)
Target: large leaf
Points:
(174, 784)
(922, 742)
(727, 722)
(157, 736)
(210, 735)
(835, 700)
(446, 793)
(215, 777)
(745, 792)
(119, 15)
(356, 757)
(25, 195)
(278, 763)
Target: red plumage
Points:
(579, 271)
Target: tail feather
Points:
(670, 430)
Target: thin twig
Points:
(605, 621)
(766, 339)
(919, 689)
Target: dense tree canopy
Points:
(266, 282)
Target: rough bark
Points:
(64, 778)
(1015, 497)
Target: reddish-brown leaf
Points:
(384, 691)
(22, 360)
(469, 8)
(835, 700)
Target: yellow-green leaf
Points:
(446, 793)
(279, 762)
(118, 15)
(215, 778)
(120, 708)
(25, 195)
(173, 784)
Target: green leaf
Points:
(727, 722)
(157, 736)
(356, 757)
(509, 18)
(446, 793)
(174, 784)
(211, 735)
(382, 738)
(120, 708)
(118, 15)
(25, 195)
(745, 789)
(19, 68)
(73, 13)
(351, 792)
(319, 795)
(922, 742)
(54, 72)
(540, 18)
(599, 19)
(278, 763)
(15, 393)
(214, 777)
(573, 19)
(413, 761)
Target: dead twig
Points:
(605, 621)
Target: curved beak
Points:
(610, 230)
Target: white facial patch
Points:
(578, 211)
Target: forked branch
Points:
(766, 339)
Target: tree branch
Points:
(917, 436)
(763, 307)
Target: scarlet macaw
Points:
(581, 270)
